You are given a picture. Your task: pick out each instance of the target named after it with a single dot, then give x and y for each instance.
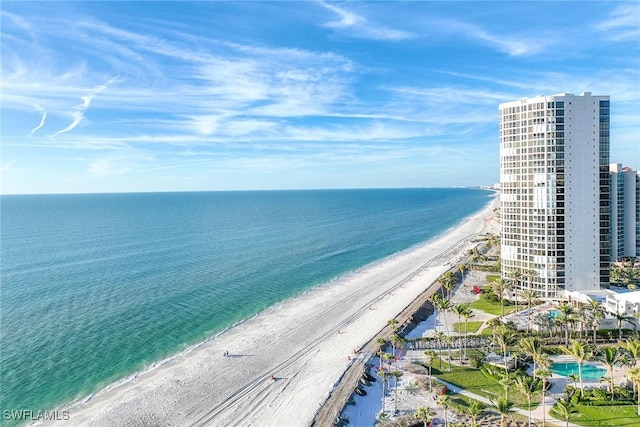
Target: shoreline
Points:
(311, 336)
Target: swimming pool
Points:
(589, 372)
(553, 313)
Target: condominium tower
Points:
(625, 212)
(554, 203)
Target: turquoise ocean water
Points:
(97, 287)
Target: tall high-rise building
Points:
(554, 203)
(625, 212)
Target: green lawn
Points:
(474, 381)
(492, 277)
(493, 307)
(487, 332)
(605, 416)
(472, 327)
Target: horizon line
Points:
(480, 187)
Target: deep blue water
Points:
(96, 287)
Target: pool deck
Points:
(618, 372)
(521, 317)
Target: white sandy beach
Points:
(305, 342)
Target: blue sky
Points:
(171, 96)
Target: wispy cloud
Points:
(42, 120)
(78, 113)
(509, 44)
(268, 91)
(357, 26)
(623, 23)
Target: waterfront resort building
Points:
(615, 302)
(625, 212)
(555, 184)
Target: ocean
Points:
(96, 287)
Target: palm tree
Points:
(396, 376)
(462, 268)
(425, 414)
(516, 276)
(595, 316)
(531, 297)
(634, 375)
(632, 347)
(499, 287)
(393, 324)
(445, 402)
(621, 317)
(381, 343)
(581, 352)
(584, 318)
(530, 274)
(543, 373)
(383, 377)
(474, 410)
(506, 381)
(459, 311)
(543, 322)
(430, 356)
(449, 340)
(528, 386)
(566, 316)
(439, 337)
(467, 314)
(575, 378)
(387, 358)
(610, 356)
(504, 407)
(565, 408)
(531, 346)
(397, 342)
(503, 337)
(447, 282)
(394, 338)
(434, 301)
(444, 305)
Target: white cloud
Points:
(513, 46)
(347, 19)
(360, 27)
(78, 114)
(623, 23)
(42, 120)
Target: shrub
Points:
(598, 394)
(607, 402)
(553, 351)
(575, 398)
(622, 393)
(475, 361)
(490, 298)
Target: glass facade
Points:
(605, 188)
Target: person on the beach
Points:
(226, 353)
